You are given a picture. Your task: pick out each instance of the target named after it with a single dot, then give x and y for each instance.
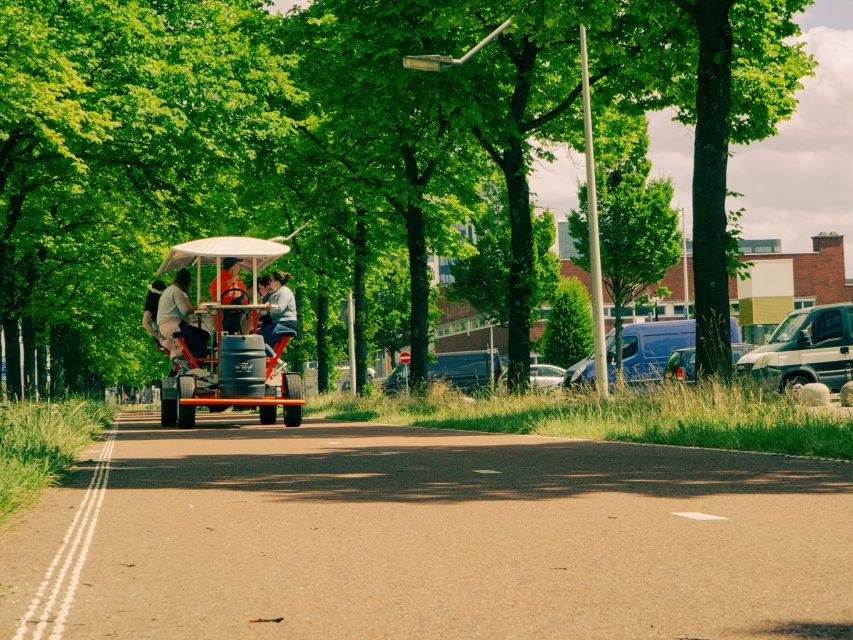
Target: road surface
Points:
(343, 530)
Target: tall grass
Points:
(38, 442)
(711, 414)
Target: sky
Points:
(794, 185)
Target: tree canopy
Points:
(128, 127)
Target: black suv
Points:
(464, 370)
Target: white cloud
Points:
(795, 185)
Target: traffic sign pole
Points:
(406, 358)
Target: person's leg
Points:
(167, 328)
(203, 342)
(196, 339)
(281, 329)
(267, 331)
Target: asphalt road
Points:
(339, 530)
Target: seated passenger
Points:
(172, 313)
(229, 279)
(282, 311)
(149, 313)
(265, 291)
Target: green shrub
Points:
(38, 442)
(568, 332)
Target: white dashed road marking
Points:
(486, 471)
(71, 552)
(693, 515)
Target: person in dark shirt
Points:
(149, 312)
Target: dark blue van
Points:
(645, 350)
(467, 371)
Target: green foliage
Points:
(736, 267)
(125, 128)
(128, 127)
(676, 414)
(38, 442)
(482, 274)
(568, 333)
(638, 230)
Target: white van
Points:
(810, 345)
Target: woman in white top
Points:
(282, 310)
(172, 314)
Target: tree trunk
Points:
(299, 353)
(618, 342)
(710, 160)
(360, 301)
(12, 339)
(41, 366)
(521, 266)
(57, 370)
(322, 341)
(513, 163)
(419, 277)
(28, 335)
(68, 370)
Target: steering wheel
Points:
(243, 298)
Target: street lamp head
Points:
(427, 63)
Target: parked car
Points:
(343, 382)
(810, 345)
(546, 376)
(467, 371)
(681, 365)
(542, 376)
(646, 347)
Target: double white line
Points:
(63, 574)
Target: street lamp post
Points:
(601, 381)
(684, 259)
(438, 62)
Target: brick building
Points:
(818, 278)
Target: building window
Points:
(565, 242)
(479, 323)
(804, 303)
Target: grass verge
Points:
(38, 442)
(711, 414)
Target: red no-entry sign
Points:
(405, 357)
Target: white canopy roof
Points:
(207, 250)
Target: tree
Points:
(391, 129)
(388, 306)
(568, 333)
(638, 231)
(525, 94)
(483, 278)
(124, 128)
(748, 63)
